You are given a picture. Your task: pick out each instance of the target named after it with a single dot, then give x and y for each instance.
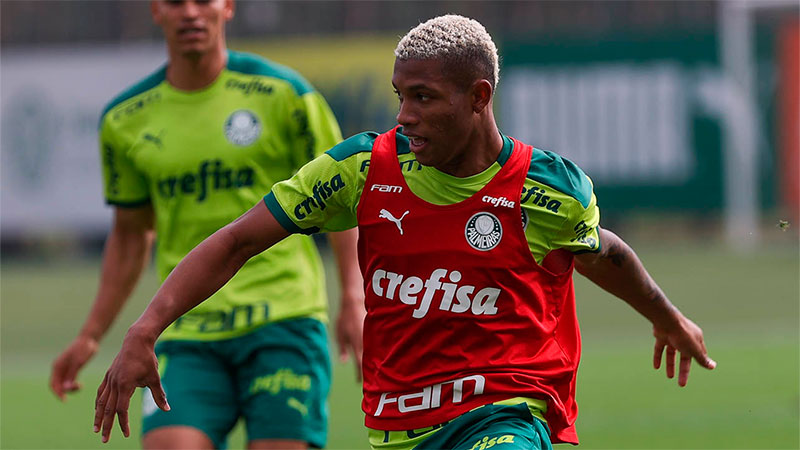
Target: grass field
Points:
(747, 306)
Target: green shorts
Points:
(500, 427)
(276, 378)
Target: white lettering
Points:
(458, 386)
(484, 302)
(384, 401)
(379, 275)
(394, 281)
(386, 188)
(431, 285)
(502, 201)
(425, 401)
(431, 396)
(464, 302)
(489, 296)
(409, 289)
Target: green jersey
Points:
(201, 159)
(559, 208)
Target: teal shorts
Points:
(500, 427)
(276, 378)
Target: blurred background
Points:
(684, 113)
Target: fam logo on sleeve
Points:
(242, 128)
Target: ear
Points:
(230, 9)
(482, 92)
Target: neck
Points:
(190, 72)
(482, 149)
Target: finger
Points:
(70, 383)
(100, 403)
(670, 361)
(658, 352)
(357, 366)
(685, 365)
(56, 383)
(708, 363)
(72, 386)
(123, 403)
(704, 360)
(108, 414)
(341, 342)
(159, 396)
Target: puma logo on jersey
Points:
(156, 140)
(387, 215)
(299, 406)
(386, 284)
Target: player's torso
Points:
(222, 146)
(449, 290)
(209, 156)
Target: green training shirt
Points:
(559, 208)
(201, 159)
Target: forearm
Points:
(201, 273)
(345, 250)
(124, 258)
(619, 271)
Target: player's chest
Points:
(184, 137)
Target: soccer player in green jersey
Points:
(184, 152)
(446, 160)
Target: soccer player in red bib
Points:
(467, 243)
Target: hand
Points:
(687, 338)
(135, 366)
(69, 363)
(350, 329)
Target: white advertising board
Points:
(50, 104)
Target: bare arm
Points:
(618, 270)
(126, 254)
(201, 273)
(350, 322)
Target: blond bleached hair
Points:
(462, 43)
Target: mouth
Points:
(416, 143)
(191, 33)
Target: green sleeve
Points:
(322, 196)
(123, 184)
(315, 126)
(580, 233)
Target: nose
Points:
(190, 9)
(406, 116)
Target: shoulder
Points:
(363, 143)
(561, 174)
(249, 64)
(135, 92)
(359, 143)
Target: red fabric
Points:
(524, 343)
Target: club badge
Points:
(242, 128)
(483, 231)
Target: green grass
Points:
(747, 306)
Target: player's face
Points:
(192, 26)
(435, 112)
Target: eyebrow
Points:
(415, 87)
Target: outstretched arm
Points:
(126, 254)
(618, 270)
(201, 273)
(350, 322)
